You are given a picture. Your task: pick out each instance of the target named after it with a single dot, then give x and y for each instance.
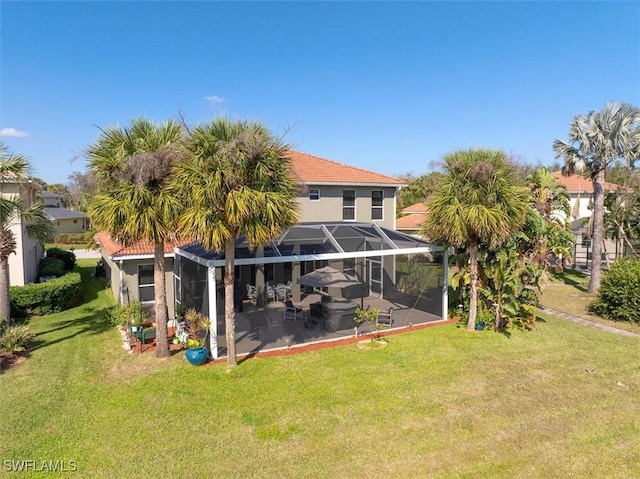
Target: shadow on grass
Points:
(573, 278)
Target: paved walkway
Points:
(586, 322)
(82, 253)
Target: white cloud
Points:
(13, 133)
(215, 99)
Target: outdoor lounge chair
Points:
(291, 311)
(385, 318)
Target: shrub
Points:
(51, 267)
(133, 313)
(45, 298)
(67, 257)
(15, 338)
(619, 294)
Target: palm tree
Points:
(597, 140)
(15, 210)
(477, 204)
(237, 182)
(132, 168)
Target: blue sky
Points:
(390, 87)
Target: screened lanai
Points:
(393, 269)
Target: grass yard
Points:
(560, 402)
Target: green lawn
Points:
(559, 402)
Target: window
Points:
(377, 199)
(348, 204)
(314, 195)
(146, 290)
(75, 221)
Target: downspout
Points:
(121, 284)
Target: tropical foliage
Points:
(132, 168)
(15, 209)
(236, 182)
(477, 205)
(597, 140)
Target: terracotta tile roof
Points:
(575, 183)
(140, 248)
(411, 222)
(311, 169)
(416, 208)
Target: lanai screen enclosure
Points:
(390, 265)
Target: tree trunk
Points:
(598, 230)
(229, 312)
(5, 305)
(473, 295)
(159, 283)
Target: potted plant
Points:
(197, 335)
(370, 316)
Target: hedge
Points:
(51, 267)
(45, 298)
(67, 257)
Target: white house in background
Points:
(64, 220)
(23, 265)
(580, 191)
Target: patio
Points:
(381, 267)
(264, 328)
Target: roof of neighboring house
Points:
(139, 248)
(48, 194)
(411, 222)
(415, 208)
(575, 183)
(63, 213)
(311, 169)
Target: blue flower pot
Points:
(196, 356)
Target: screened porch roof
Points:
(317, 241)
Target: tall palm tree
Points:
(478, 204)
(14, 209)
(237, 182)
(132, 167)
(597, 140)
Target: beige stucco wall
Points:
(329, 206)
(68, 225)
(129, 280)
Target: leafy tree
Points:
(478, 204)
(597, 140)
(237, 182)
(419, 189)
(132, 169)
(14, 167)
(81, 188)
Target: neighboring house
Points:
(412, 219)
(64, 220)
(580, 191)
(23, 265)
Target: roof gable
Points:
(415, 208)
(309, 169)
(577, 183)
(139, 248)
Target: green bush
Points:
(15, 338)
(70, 238)
(125, 315)
(45, 298)
(619, 294)
(67, 257)
(51, 267)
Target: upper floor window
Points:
(314, 195)
(146, 290)
(348, 205)
(377, 197)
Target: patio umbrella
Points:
(329, 277)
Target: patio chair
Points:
(271, 293)
(252, 293)
(281, 293)
(291, 311)
(385, 318)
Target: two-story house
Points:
(64, 220)
(23, 265)
(347, 222)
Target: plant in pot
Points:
(197, 334)
(370, 316)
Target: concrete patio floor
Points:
(259, 329)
